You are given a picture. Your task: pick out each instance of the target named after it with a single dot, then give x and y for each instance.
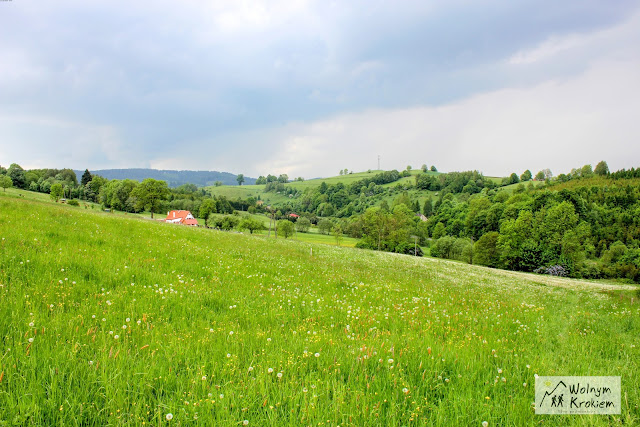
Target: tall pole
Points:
(378, 161)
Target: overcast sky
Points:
(311, 87)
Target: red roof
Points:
(294, 215)
(180, 217)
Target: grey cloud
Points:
(165, 74)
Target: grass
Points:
(312, 236)
(110, 320)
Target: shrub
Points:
(409, 248)
(554, 270)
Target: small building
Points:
(181, 217)
(295, 216)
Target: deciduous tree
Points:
(250, 224)
(285, 228)
(5, 182)
(17, 175)
(324, 226)
(303, 224)
(56, 191)
(602, 168)
(150, 194)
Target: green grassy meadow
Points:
(312, 236)
(114, 320)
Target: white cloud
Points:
(309, 87)
(549, 48)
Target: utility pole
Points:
(378, 161)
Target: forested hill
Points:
(174, 178)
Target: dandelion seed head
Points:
(169, 416)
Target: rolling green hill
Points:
(258, 191)
(110, 320)
(174, 178)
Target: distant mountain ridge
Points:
(174, 178)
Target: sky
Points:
(309, 88)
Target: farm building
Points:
(181, 217)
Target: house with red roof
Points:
(181, 217)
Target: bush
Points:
(486, 250)
(443, 247)
(73, 202)
(408, 248)
(554, 270)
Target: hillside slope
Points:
(174, 178)
(110, 320)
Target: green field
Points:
(114, 320)
(312, 236)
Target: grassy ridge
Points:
(108, 320)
